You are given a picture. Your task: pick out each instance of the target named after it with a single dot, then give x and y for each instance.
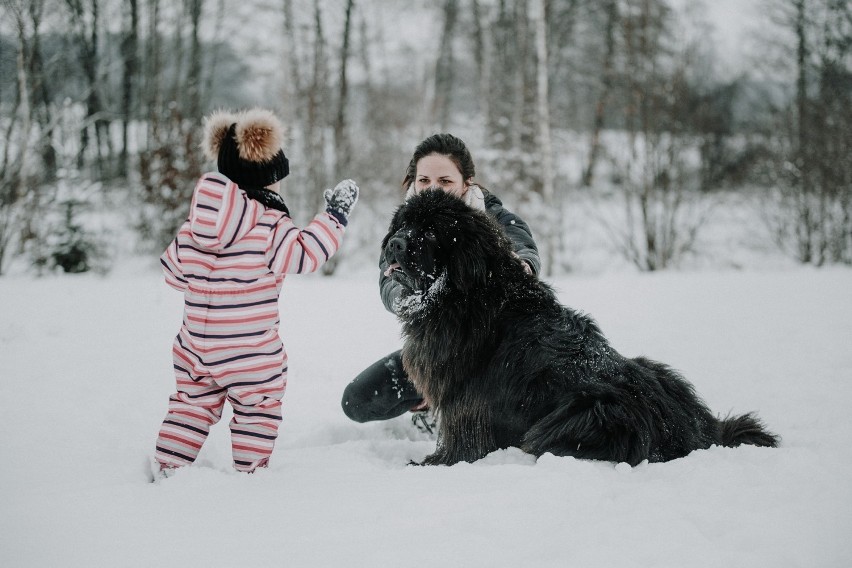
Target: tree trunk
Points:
(481, 54)
(806, 224)
(518, 77)
(193, 79)
(14, 166)
(130, 56)
(315, 135)
(193, 90)
(606, 88)
(41, 96)
(545, 145)
(444, 68)
(341, 140)
(87, 35)
(212, 56)
(152, 92)
(292, 69)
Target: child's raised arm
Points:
(301, 251)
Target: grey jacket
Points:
(516, 229)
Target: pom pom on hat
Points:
(247, 147)
(215, 129)
(259, 135)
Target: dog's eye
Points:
(429, 235)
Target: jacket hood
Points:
(221, 214)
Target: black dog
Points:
(504, 364)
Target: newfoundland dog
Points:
(504, 364)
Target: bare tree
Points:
(343, 153)
(293, 87)
(445, 67)
(171, 157)
(523, 79)
(41, 95)
(341, 139)
(481, 54)
(663, 211)
(545, 145)
(130, 72)
(317, 98)
(85, 21)
(30, 198)
(15, 187)
(809, 166)
(193, 78)
(610, 27)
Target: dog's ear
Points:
(473, 260)
(395, 223)
(467, 271)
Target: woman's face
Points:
(437, 170)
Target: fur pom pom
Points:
(215, 129)
(259, 135)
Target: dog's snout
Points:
(397, 245)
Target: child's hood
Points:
(221, 214)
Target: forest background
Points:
(641, 133)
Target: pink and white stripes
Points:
(252, 379)
(230, 259)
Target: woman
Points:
(442, 161)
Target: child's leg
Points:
(254, 428)
(193, 409)
(255, 393)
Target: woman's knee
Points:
(354, 403)
(380, 392)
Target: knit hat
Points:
(246, 147)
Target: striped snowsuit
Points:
(229, 258)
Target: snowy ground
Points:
(86, 371)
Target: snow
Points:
(86, 372)
(412, 306)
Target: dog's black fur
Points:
(504, 364)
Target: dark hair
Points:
(446, 145)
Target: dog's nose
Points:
(396, 245)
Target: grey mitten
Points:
(340, 200)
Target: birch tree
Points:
(445, 67)
(343, 152)
(545, 146)
(129, 83)
(85, 22)
(16, 148)
(809, 167)
(607, 79)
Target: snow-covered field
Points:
(86, 371)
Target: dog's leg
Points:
(465, 433)
(593, 425)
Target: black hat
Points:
(247, 147)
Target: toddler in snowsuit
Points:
(230, 258)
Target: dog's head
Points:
(435, 236)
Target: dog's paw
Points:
(438, 459)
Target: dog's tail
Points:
(745, 429)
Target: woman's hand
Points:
(526, 266)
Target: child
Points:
(230, 258)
